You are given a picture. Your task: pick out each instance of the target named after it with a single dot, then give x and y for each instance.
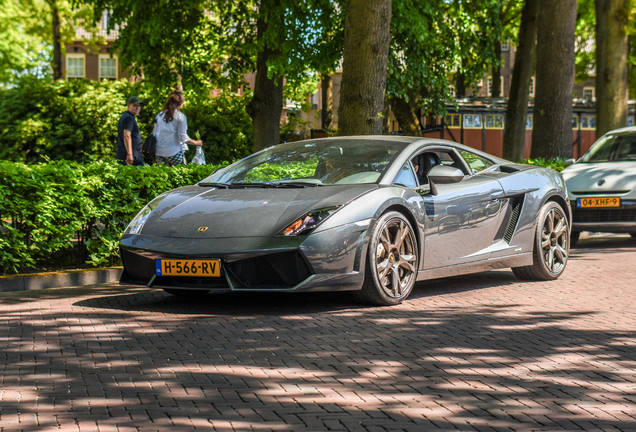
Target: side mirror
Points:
(569, 162)
(441, 174)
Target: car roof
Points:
(395, 138)
(625, 129)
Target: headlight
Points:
(135, 226)
(308, 222)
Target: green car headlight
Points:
(135, 226)
(308, 221)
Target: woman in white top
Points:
(171, 131)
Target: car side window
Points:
(475, 162)
(406, 176)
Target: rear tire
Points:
(391, 263)
(186, 293)
(551, 245)
(574, 238)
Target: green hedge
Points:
(41, 120)
(557, 164)
(43, 206)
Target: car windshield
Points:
(307, 163)
(613, 147)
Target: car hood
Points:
(614, 176)
(251, 212)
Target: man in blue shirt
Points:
(128, 136)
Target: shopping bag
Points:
(199, 157)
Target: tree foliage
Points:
(478, 27)
(26, 35)
(432, 43)
(205, 44)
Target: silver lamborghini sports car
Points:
(602, 185)
(367, 214)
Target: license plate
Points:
(598, 202)
(199, 268)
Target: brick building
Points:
(86, 59)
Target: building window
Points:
(495, 121)
(588, 122)
(630, 121)
(107, 67)
(505, 45)
(453, 121)
(501, 86)
(107, 16)
(472, 121)
(529, 121)
(75, 66)
(588, 93)
(531, 91)
(575, 122)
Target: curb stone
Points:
(71, 278)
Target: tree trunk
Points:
(57, 46)
(266, 105)
(405, 115)
(326, 89)
(364, 67)
(460, 85)
(552, 131)
(611, 65)
(385, 115)
(496, 73)
(517, 110)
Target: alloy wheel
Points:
(554, 240)
(396, 258)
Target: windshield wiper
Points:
(224, 185)
(238, 185)
(295, 184)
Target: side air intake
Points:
(517, 203)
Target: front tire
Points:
(392, 259)
(551, 245)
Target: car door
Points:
(461, 221)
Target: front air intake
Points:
(281, 270)
(138, 268)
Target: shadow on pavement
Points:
(128, 358)
(615, 242)
(242, 303)
(308, 363)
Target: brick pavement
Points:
(477, 353)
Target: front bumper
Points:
(612, 220)
(325, 261)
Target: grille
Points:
(617, 192)
(277, 270)
(603, 215)
(139, 268)
(514, 217)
